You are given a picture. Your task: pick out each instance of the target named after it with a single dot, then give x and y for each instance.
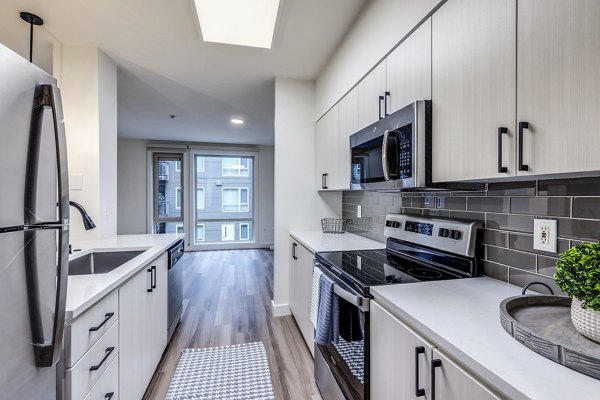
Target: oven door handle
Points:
(361, 302)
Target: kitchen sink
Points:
(100, 262)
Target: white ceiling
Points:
(165, 67)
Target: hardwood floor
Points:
(227, 300)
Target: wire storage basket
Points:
(334, 225)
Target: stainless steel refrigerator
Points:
(34, 229)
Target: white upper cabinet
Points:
(348, 114)
(558, 71)
(409, 69)
(473, 89)
(327, 131)
(371, 96)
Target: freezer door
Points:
(28, 298)
(18, 82)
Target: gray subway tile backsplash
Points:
(507, 211)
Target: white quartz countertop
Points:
(317, 241)
(83, 291)
(462, 318)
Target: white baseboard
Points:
(279, 310)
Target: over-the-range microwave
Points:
(392, 154)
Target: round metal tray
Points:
(543, 324)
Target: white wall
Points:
(266, 195)
(132, 187)
(88, 82)
(298, 205)
(378, 29)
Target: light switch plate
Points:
(76, 181)
(544, 235)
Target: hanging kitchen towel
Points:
(327, 315)
(349, 326)
(314, 302)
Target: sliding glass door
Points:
(168, 194)
(222, 198)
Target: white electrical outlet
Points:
(358, 211)
(544, 235)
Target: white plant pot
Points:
(586, 321)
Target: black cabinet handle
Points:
(294, 245)
(107, 353)
(385, 103)
(107, 316)
(434, 364)
(381, 100)
(150, 270)
(522, 126)
(324, 181)
(418, 391)
(109, 395)
(501, 131)
(154, 275)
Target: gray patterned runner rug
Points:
(219, 373)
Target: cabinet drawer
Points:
(107, 384)
(78, 336)
(81, 378)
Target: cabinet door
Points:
(348, 114)
(157, 312)
(558, 84)
(454, 383)
(301, 292)
(327, 153)
(369, 90)
(393, 362)
(134, 335)
(473, 89)
(409, 69)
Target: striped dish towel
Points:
(314, 302)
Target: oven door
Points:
(341, 369)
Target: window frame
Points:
(247, 225)
(225, 226)
(203, 233)
(239, 167)
(239, 199)
(200, 188)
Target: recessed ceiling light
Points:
(239, 22)
(237, 121)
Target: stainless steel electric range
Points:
(418, 250)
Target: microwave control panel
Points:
(405, 151)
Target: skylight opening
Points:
(238, 22)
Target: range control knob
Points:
(388, 223)
(396, 224)
(443, 232)
(456, 235)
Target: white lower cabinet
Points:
(454, 383)
(143, 329)
(404, 365)
(301, 272)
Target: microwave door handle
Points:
(47, 352)
(384, 160)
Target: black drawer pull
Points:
(151, 279)
(381, 100)
(522, 126)
(294, 245)
(385, 103)
(434, 364)
(154, 274)
(418, 391)
(107, 316)
(108, 351)
(109, 395)
(501, 131)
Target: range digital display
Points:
(419, 227)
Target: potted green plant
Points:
(578, 275)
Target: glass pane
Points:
(227, 184)
(200, 198)
(169, 194)
(199, 164)
(244, 231)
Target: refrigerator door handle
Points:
(47, 350)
